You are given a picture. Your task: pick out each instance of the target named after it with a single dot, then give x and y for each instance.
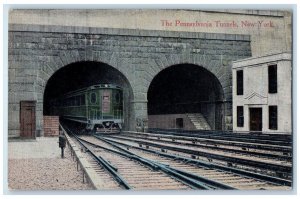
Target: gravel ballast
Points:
(43, 169)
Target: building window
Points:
(82, 99)
(273, 117)
(239, 82)
(240, 116)
(117, 97)
(272, 76)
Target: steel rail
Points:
(190, 183)
(275, 136)
(238, 151)
(189, 178)
(225, 137)
(285, 149)
(110, 168)
(246, 162)
(266, 178)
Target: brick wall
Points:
(51, 125)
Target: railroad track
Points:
(127, 165)
(134, 172)
(235, 178)
(279, 155)
(153, 175)
(271, 139)
(263, 165)
(112, 180)
(286, 150)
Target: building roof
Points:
(262, 59)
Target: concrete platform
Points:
(42, 147)
(37, 165)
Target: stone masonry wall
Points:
(169, 121)
(36, 52)
(276, 25)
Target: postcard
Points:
(150, 99)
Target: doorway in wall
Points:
(255, 119)
(27, 119)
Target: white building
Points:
(262, 93)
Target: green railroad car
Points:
(98, 106)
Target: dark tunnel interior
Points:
(185, 88)
(83, 74)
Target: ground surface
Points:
(37, 165)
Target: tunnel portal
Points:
(187, 89)
(84, 74)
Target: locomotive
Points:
(97, 107)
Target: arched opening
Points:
(83, 74)
(182, 90)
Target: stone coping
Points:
(262, 59)
(126, 32)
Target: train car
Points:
(98, 106)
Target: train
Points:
(97, 107)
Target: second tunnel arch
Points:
(187, 88)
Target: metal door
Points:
(27, 119)
(255, 119)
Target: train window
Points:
(117, 97)
(93, 98)
(82, 100)
(78, 100)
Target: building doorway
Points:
(255, 119)
(27, 119)
(179, 123)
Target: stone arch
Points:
(214, 64)
(54, 64)
(187, 88)
(68, 57)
